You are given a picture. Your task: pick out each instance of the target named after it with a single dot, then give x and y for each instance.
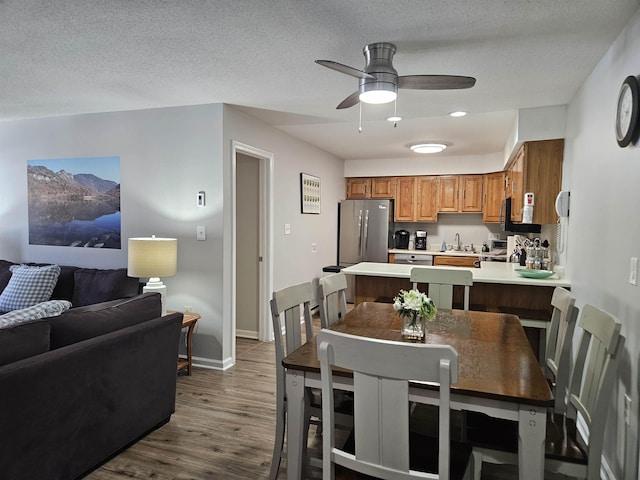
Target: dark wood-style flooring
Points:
(223, 427)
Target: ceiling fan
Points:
(379, 81)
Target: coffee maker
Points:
(421, 240)
(401, 239)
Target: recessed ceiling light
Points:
(394, 118)
(428, 147)
(459, 113)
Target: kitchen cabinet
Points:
(448, 193)
(416, 199)
(427, 199)
(494, 188)
(537, 168)
(456, 261)
(383, 187)
(460, 193)
(358, 188)
(405, 199)
(471, 187)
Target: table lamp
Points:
(154, 258)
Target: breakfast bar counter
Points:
(489, 272)
(497, 287)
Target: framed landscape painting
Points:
(74, 202)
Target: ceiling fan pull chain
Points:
(360, 119)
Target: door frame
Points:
(266, 162)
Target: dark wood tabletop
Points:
(495, 358)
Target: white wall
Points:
(166, 156)
(604, 227)
(424, 165)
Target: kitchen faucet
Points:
(458, 247)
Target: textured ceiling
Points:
(80, 56)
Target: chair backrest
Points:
(441, 281)
(332, 298)
(594, 373)
(558, 355)
(381, 373)
(292, 305)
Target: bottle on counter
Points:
(443, 247)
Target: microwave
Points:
(509, 226)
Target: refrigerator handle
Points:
(360, 251)
(365, 242)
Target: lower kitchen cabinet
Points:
(456, 261)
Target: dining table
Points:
(498, 375)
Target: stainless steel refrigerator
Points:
(364, 232)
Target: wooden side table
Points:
(189, 320)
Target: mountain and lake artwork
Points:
(74, 202)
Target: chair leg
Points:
(278, 444)
(477, 464)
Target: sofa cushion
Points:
(90, 321)
(28, 286)
(92, 285)
(23, 341)
(50, 308)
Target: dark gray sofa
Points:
(78, 388)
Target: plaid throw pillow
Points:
(28, 286)
(52, 308)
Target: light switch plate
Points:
(287, 229)
(201, 232)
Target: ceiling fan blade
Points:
(435, 82)
(354, 72)
(350, 101)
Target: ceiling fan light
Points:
(378, 96)
(428, 147)
(394, 118)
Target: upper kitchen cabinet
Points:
(405, 199)
(494, 188)
(460, 193)
(383, 187)
(358, 188)
(536, 168)
(416, 199)
(427, 199)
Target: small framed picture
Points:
(309, 193)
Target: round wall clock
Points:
(627, 111)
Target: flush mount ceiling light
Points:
(377, 92)
(459, 113)
(427, 147)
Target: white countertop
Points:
(448, 253)
(489, 272)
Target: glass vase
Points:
(413, 328)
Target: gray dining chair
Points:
(441, 282)
(332, 298)
(382, 444)
(290, 307)
(558, 356)
(567, 452)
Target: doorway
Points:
(252, 243)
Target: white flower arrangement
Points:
(414, 304)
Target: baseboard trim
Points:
(212, 364)
(253, 335)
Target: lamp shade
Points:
(152, 257)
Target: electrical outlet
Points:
(627, 409)
(287, 229)
(201, 233)
(633, 271)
